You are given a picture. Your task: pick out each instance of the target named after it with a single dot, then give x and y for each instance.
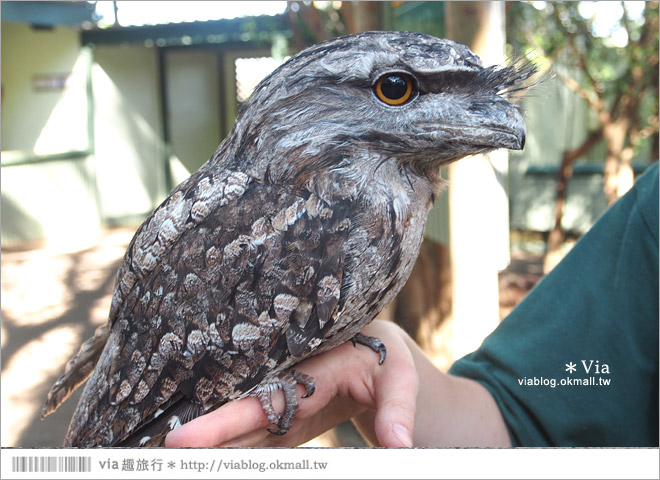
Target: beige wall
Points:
(193, 96)
(53, 199)
(128, 132)
(116, 177)
(66, 199)
(42, 122)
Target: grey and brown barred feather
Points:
(77, 370)
(303, 225)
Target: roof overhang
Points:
(49, 14)
(234, 31)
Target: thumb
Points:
(396, 398)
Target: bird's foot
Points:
(287, 383)
(372, 342)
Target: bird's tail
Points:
(77, 370)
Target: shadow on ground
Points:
(51, 303)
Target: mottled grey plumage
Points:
(303, 225)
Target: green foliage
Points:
(605, 51)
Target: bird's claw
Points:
(372, 342)
(287, 383)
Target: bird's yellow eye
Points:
(394, 88)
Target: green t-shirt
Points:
(576, 362)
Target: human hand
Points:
(349, 384)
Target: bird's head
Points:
(381, 95)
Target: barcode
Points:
(51, 464)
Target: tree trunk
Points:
(615, 136)
(557, 235)
(362, 16)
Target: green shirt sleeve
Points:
(576, 362)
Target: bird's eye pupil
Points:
(394, 88)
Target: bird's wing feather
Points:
(257, 279)
(78, 369)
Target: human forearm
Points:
(457, 412)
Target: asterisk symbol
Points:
(171, 464)
(570, 367)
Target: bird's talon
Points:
(287, 383)
(372, 342)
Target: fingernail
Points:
(403, 434)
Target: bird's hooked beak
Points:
(480, 124)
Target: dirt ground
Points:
(54, 300)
